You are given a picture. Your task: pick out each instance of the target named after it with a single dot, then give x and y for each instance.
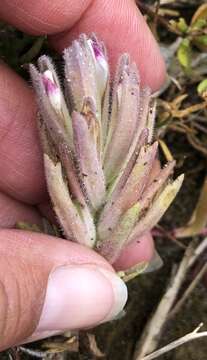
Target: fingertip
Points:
(13, 212)
(53, 285)
(79, 297)
(21, 158)
(85, 296)
(42, 17)
(122, 31)
(125, 32)
(139, 251)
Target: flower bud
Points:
(86, 71)
(101, 64)
(52, 90)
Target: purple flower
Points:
(52, 90)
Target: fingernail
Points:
(120, 295)
(78, 297)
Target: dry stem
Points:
(188, 291)
(152, 331)
(189, 337)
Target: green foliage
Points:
(18, 49)
(184, 54)
(202, 87)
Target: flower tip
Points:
(52, 90)
(48, 82)
(101, 62)
(97, 47)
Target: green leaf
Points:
(202, 87)
(200, 14)
(201, 42)
(199, 24)
(182, 25)
(184, 54)
(198, 219)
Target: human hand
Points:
(49, 285)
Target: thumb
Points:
(49, 285)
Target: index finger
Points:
(118, 22)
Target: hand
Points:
(48, 285)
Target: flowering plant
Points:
(99, 155)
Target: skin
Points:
(22, 184)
